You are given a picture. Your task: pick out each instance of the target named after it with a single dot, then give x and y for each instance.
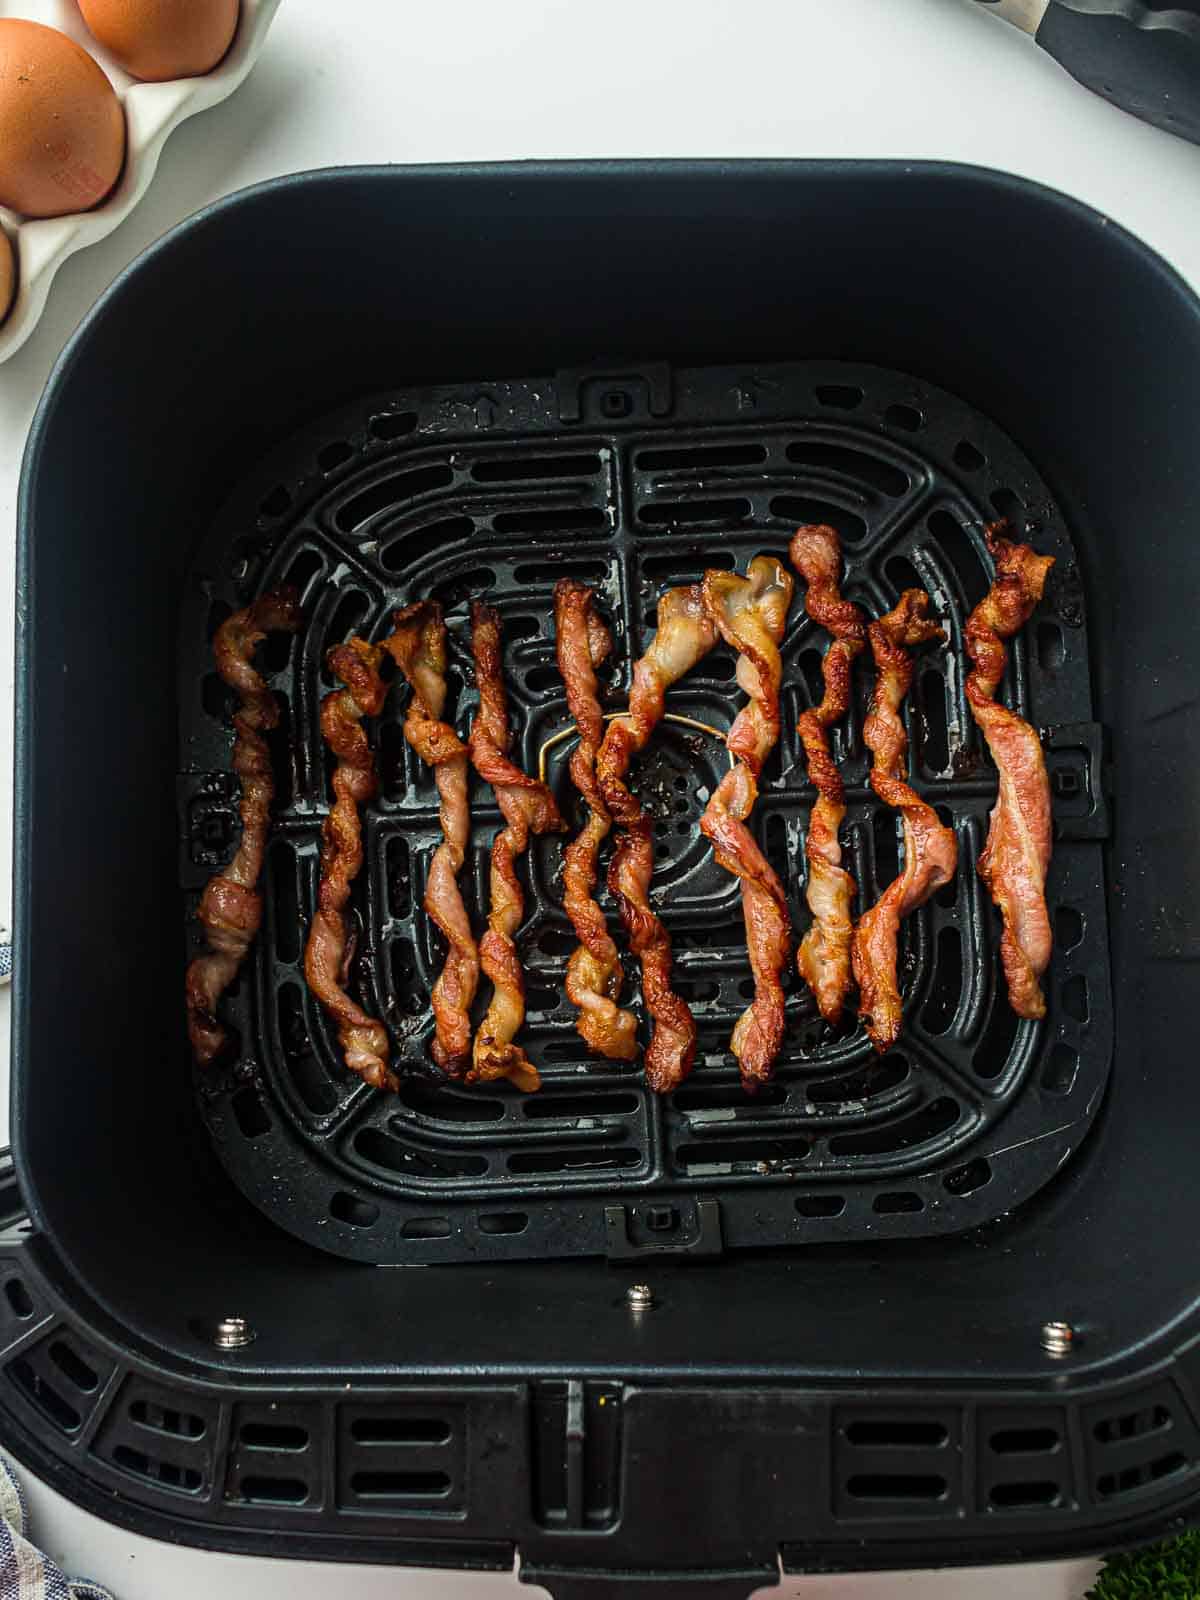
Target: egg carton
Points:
(152, 111)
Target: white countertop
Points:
(381, 80)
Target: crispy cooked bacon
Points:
(824, 956)
(594, 970)
(231, 906)
(751, 614)
(930, 850)
(527, 807)
(418, 647)
(330, 950)
(1017, 853)
(685, 634)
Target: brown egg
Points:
(8, 275)
(156, 39)
(62, 129)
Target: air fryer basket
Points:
(876, 1399)
(405, 495)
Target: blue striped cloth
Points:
(25, 1573)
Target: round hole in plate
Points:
(353, 1209)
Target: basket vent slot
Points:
(19, 1299)
(571, 1106)
(168, 1419)
(751, 1155)
(443, 1104)
(1024, 1463)
(841, 396)
(1135, 1446)
(273, 1436)
(41, 1392)
(275, 502)
(508, 469)
(898, 1201)
(1111, 1484)
(335, 455)
(388, 425)
(311, 1081)
(902, 1463)
(1025, 1441)
(550, 521)
(798, 508)
(945, 992)
(1132, 1425)
(577, 1158)
(901, 1433)
(62, 1378)
(262, 1490)
(429, 540)
(275, 1454)
(927, 1123)
(1021, 1496)
(396, 491)
(970, 1176)
(853, 464)
(676, 513)
(161, 1436)
(399, 1485)
(897, 1486)
(162, 1474)
(402, 1458)
(967, 560)
(906, 417)
(384, 1429)
(876, 1078)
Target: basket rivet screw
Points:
(1058, 1338)
(640, 1296)
(233, 1333)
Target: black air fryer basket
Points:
(467, 383)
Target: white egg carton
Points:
(152, 111)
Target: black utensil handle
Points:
(1142, 57)
(1145, 61)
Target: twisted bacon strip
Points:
(527, 806)
(930, 850)
(418, 647)
(231, 906)
(594, 970)
(685, 634)
(1017, 853)
(751, 613)
(824, 957)
(329, 953)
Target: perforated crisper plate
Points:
(634, 480)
